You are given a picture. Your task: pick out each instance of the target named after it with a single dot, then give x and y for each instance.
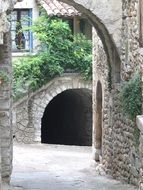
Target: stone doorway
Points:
(98, 122)
(67, 119)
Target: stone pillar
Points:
(5, 107)
(98, 122)
(97, 100)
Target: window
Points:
(82, 26)
(21, 39)
(86, 28)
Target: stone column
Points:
(5, 106)
(97, 101)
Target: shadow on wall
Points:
(68, 119)
(98, 122)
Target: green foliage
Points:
(59, 52)
(3, 77)
(131, 97)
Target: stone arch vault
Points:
(29, 111)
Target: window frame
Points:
(30, 35)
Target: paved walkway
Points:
(54, 167)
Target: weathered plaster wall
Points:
(29, 111)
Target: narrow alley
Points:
(54, 167)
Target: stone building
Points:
(5, 92)
(117, 55)
(27, 43)
(49, 115)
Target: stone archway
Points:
(46, 95)
(97, 136)
(28, 112)
(106, 18)
(93, 10)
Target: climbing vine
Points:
(59, 52)
(131, 97)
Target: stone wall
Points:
(28, 112)
(117, 27)
(5, 108)
(100, 73)
(131, 54)
(120, 156)
(5, 92)
(131, 62)
(118, 152)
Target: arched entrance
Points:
(111, 50)
(98, 123)
(67, 119)
(64, 89)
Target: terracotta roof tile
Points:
(54, 7)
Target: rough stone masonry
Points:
(5, 91)
(117, 55)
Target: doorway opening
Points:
(98, 122)
(67, 119)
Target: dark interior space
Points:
(68, 119)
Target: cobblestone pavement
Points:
(55, 167)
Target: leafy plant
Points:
(3, 77)
(59, 52)
(131, 97)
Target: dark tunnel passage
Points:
(67, 119)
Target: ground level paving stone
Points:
(59, 167)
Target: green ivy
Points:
(59, 52)
(3, 77)
(131, 97)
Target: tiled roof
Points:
(54, 7)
